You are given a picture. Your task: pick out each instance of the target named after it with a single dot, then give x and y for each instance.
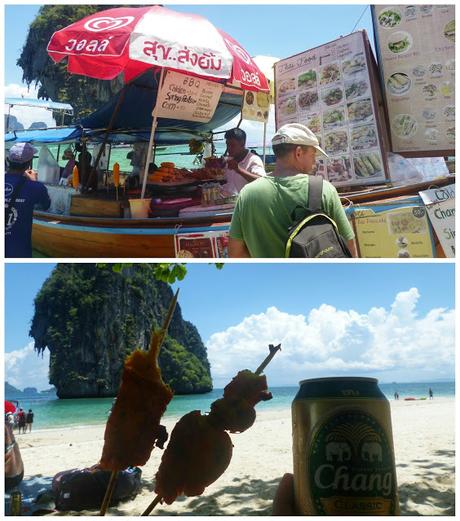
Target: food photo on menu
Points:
(417, 72)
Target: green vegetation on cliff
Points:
(84, 94)
(91, 317)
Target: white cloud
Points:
(27, 115)
(24, 368)
(328, 341)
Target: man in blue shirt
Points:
(22, 194)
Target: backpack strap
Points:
(14, 195)
(315, 193)
(315, 199)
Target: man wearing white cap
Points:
(263, 210)
(22, 194)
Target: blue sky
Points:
(393, 321)
(271, 30)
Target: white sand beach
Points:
(424, 446)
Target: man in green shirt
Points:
(263, 210)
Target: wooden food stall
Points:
(108, 222)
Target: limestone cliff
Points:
(90, 318)
(83, 93)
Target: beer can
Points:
(343, 448)
(15, 503)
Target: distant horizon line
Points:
(273, 386)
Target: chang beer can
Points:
(343, 448)
(15, 503)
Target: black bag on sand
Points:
(315, 235)
(81, 489)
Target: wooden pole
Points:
(152, 136)
(265, 140)
(109, 492)
(106, 137)
(152, 505)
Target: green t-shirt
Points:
(263, 211)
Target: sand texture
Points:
(424, 449)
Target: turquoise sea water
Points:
(53, 413)
(178, 154)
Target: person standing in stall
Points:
(241, 165)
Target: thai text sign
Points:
(416, 51)
(440, 205)
(187, 98)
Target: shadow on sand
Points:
(434, 487)
(254, 497)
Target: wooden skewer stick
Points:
(273, 350)
(109, 492)
(152, 505)
(169, 316)
(113, 476)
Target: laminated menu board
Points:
(416, 52)
(397, 230)
(256, 106)
(202, 245)
(332, 90)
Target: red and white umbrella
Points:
(9, 407)
(130, 40)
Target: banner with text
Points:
(440, 205)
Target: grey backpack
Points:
(314, 235)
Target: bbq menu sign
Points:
(187, 98)
(416, 52)
(330, 90)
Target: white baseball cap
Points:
(21, 153)
(297, 134)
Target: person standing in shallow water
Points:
(430, 393)
(29, 420)
(21, 421)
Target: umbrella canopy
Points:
(130, 40)
(9, 407)
(132, 116)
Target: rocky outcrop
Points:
(83, 93)
(90, 318)
(12, 123)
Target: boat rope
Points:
(359, 19)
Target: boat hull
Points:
(88, 238)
